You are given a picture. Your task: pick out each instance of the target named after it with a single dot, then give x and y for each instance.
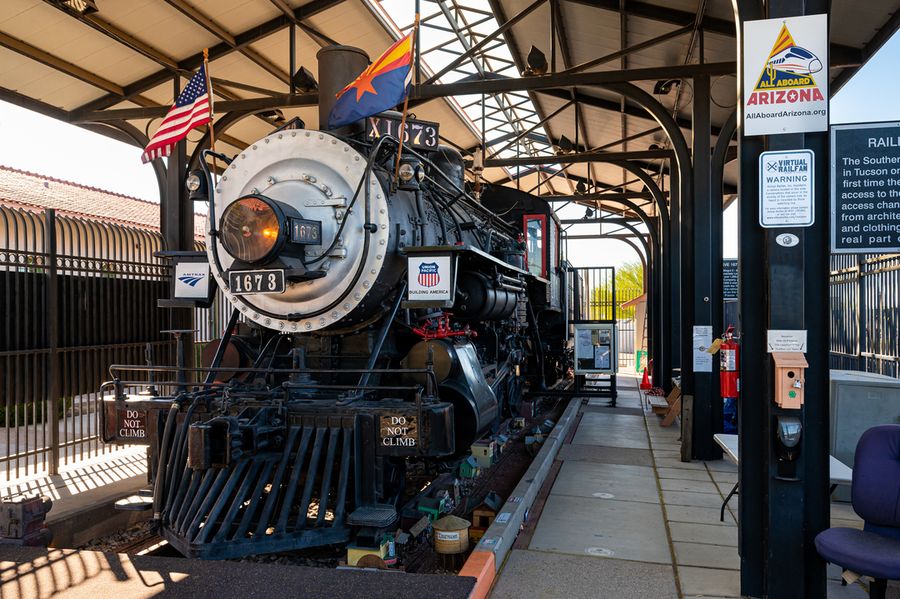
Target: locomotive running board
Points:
(251, 506)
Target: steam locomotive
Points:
(383, 315)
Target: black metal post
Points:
(706, 219)
(52, 312)
(674, 297)
(782, 288)
(293, 58)
(177, 225)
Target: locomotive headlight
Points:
(407, 172)
(251, 229)
(195, 183)
(192, 182)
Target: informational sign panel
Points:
(865, 188)
(703, 360)
(595, 348)
(786, 75)
(786, 189)
(780, 340)
(429, 278)
(729, 279)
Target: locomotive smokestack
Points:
(338, 66)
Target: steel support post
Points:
(782, 288)
(706, 288)
(54, 372)
(674, 274)
(177, 225)
(654, 302)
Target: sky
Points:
(40, 144)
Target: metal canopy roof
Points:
(70, 64)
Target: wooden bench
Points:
(668, 407)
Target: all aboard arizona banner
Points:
(790, 92)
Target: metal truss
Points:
(457, 45)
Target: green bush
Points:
(30, 413)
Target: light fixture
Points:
(304, 80)
(195, 183)
(275, 115)
(565, 144)
(537, 62)
(407, 171)
(588, 213)
(82, 7)
(664, 86)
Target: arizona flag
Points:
(380, 87)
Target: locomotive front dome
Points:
(300, 243)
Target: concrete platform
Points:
(625, 517)
(83, 493)
(577, 577)
(62, 574)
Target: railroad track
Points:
(145, 544)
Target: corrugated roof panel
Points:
(237, 67)
(237, 16)
(34, 80)
(159, 25)
(350, 23)
(60, 35)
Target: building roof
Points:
(112, 67)
(634, 302)
(23, 189)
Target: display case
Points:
(595, 348)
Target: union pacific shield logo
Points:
(428, 274)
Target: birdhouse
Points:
(790, 379)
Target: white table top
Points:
(839, 473)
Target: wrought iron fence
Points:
(865, 313)
(78, 296)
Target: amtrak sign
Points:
(785, 75)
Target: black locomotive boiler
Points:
(378, 321)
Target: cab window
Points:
(534, 243)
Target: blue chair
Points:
(875, 550)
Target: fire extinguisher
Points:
(729, 375)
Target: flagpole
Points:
(406, 99)
(212, 132)
(416, 54)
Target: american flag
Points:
(191, 110)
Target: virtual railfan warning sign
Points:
(786, 75)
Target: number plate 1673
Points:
(242, 282)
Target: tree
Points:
(629, 285)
